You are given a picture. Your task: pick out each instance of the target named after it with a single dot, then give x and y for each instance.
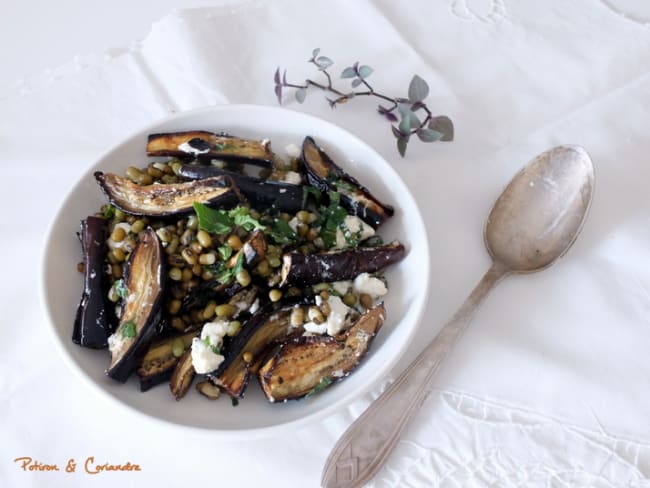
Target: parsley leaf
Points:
(109, 211)
(310, 190)
(241, 217)
(239, 264)
(213, 220)
(224, 252)
(216, 348)
(128, 330)
(281, 232)
(120, 288)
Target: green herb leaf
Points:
(402, 142)
(310, 190)
(213, 220)
(225, 252)
(120, 288)
(216, 348)
(128, 330)
(323, 62)
(281, 232)
(109, 211)
(241, 217)
(324, 383)
(234, 401)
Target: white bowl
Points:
(408, 281)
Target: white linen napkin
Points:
(547, 387)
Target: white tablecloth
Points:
(549, 385)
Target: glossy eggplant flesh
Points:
(182, 376)
(305, 365)
(262, 194)
(327, 176)
(141, 308)
(162, 200)
(309, 269)
(93, 323)
(208, 145)
(160, 360)
(268, 325)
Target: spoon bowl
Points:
(534, 222)
(541, 211)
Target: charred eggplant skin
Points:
(327, 176)
(269, 324)
(260, 193)
(208, 145)
(141, 310)
(309, 269)
(93, 320)
(163, 200)
(300, 366)
(159, 362)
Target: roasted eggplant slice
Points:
(158, 364)
(207, 145)
(141, 309)
(269, 324)
(161, 200)
(307, 364)
(326, 175)
(309, 269)
(183, 376)
(92, 324)
(253, 250)
(260, 193)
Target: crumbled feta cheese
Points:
(370, 285)
(255, 306)
(341, 242)
(336, 318)
(204, 357)
(292, 177)
(292, 151)
(293, 223)
(186, 147)
(358, 228)
(341, 287)
(316, 328)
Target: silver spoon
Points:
(532, 223)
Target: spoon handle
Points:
(366, 444)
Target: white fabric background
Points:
(549, 385)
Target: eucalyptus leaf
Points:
(356, 82)
(444, 125)
(324, 62)
(405, 125)
(348, 73)
(278, 93)
(365, 71)
(276, 76)
(402, 142)
(315, 52)
(396, 132)
(428, 135)
(301, 94)
(418, 89)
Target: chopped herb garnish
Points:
(222, 221)
(109, 211)
(216, 348)
(128, 330)
(344, 185)
(213, 220)
(234, 401)
(324, 383)
(281, 232)
(242, 218)
(310, 190)
(224, 146)
(120, 288)
(225, 252)
(332, 217)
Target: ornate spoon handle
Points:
(364, 447)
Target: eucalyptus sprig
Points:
(408, 115)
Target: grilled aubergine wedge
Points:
(141, 309)
(307, 364)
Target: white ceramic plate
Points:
(408, 281)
